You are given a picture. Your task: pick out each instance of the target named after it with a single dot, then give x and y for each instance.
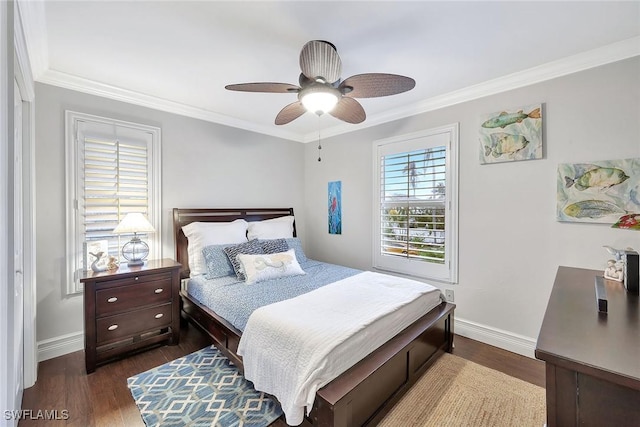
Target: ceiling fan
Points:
(322, 91)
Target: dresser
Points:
(592, 359)
(130, 309)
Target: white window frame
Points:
(73, 184)
(448, 136)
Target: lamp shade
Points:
(135, 251)
(134, 223)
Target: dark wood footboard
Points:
(362, 395)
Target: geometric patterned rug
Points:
(200, 389)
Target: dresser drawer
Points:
(123, 295)
(112, 328)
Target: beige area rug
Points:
(457, 392)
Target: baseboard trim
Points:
(64, 344)
(496, 337)
(59, 346)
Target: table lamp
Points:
(135, 251)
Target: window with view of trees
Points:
(415, 203)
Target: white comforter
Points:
(318, 335)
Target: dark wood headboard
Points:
(182, 217)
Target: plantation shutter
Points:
(112, 169)
(415, 203)
(115, 182)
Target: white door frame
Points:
(16, 377)
(24, 78)
(5, 112)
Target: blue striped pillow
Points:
(251, 247)
(274, 246)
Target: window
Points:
(113, 168)
(415, 204)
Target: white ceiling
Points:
(178, 56)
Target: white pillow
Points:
(276, 228)
(258, 268)
(203, 234)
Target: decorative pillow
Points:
(274, 246)
(276, 228)
(217, 262)
(295, 244)
(258, 268)
(203, 234)
(250, 247)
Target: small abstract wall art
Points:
(511, 135)
(335, 207)
(598, 192)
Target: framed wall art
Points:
(599, 192)
(511, 135)
(335, 207)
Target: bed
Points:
(364, 393)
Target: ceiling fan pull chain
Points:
(319, 146)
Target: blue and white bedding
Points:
(320, 324)
(319, 335)
(234, 300)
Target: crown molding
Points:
(611, 53)
(572, 64)
(34, 29)
(24, 75)
(69, 81)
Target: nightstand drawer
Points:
(128, 295)
(133, 323)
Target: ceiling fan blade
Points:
(290, 113)
(264, 87)
(372, 85)
(319, 58)
(349, 110)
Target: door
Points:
(17, 331)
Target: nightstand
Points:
(130, 309)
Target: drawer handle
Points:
(159, 315)
(159, 290)
(113, 327)
(112, 299)
(136, 278)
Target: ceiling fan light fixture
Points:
(319, 99)
(321, 89)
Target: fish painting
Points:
(599, 177)
(510, 135)
(592, 209)
(598, 191)
(505, 119)
(505, 143)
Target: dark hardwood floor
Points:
(103, 399)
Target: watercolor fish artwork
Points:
(511, 135)
(601, 192)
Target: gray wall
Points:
(203, 165)
(510, 243)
